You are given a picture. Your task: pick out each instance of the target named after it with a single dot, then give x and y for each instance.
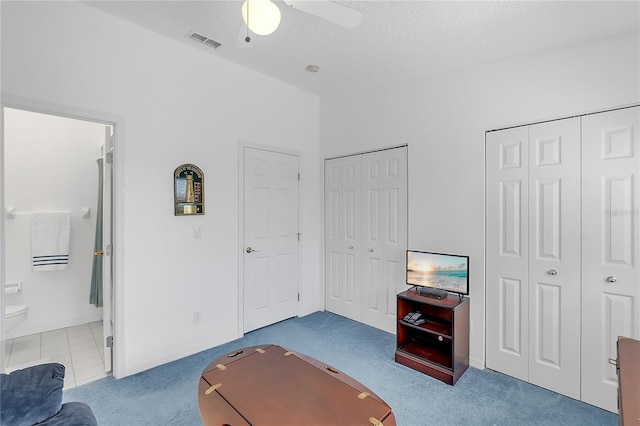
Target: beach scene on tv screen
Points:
(437, 270)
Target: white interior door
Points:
(107, 263)
(554, 256)
(271, 247)
(507, 252)
(610, 245)
(384, 235)
(343, 246)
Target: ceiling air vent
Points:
(203, 39)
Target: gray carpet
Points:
(167, 395)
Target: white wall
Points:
(175, 105)
(50, 164)
(443, 119)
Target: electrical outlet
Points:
(196, 232)
(197, 317)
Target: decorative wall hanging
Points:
(188, 190)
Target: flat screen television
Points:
(438, 271)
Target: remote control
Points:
(415, 317)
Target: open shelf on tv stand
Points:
(432, 326)
(440, 346)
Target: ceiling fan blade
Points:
(329, 10)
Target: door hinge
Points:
(298, 297)
(298, 177)
(299, 235)
(109, 341)
(109, 157)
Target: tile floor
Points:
(78, 348)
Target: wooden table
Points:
(269, 385)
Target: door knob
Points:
(370, 250)
(553, 272)
(250, 250)
(612, 279)
(350, 247)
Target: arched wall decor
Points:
(188, 190)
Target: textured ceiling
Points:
(397, 39)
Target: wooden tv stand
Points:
(440, 346)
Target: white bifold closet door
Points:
(343, 251)
(533, 254)
(366, 235)
(610, 247)
(562, 251)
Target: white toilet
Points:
(14, 315)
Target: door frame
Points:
(117, 122)
(242, 144)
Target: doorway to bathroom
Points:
(57, 166)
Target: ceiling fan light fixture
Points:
(262, 17)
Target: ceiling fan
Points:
(265, 17)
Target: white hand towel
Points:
(50, 233)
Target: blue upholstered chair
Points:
(34, 396)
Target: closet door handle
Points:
(553, 272)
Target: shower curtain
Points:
(95, 296)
